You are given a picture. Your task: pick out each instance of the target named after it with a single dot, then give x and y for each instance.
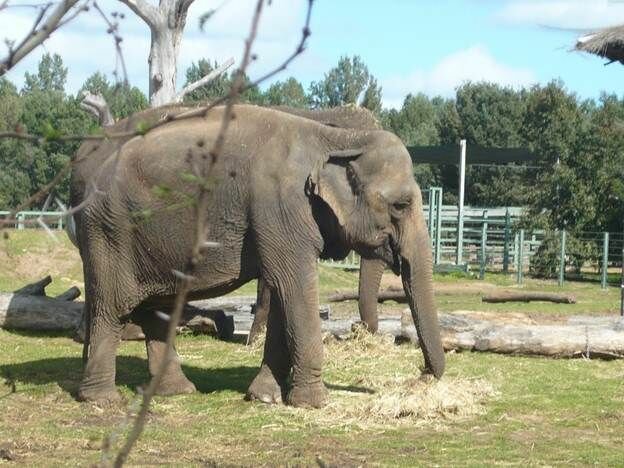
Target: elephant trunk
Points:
(371, 271)
(417, 276)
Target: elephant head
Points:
(367, 183)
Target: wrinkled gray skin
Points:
(286, 191)
(371, 270)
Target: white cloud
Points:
(86, 48)
(472, 64)
(573, 14)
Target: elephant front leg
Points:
(173, 381)
(299, 299)
(269, 386)
(98, 381)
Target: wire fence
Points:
(490, 241)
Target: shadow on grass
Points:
(131, 373)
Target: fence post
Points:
(484, 226)
(562, 258)
(605, 260)
(20, 221)
(520, 255)
(438, 249)
(506, 242)
(430, 214)
(460, 204)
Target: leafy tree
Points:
(286, 93)
(554, 127)
(51, 75)
(14, 183)
(218, 87)
(349, 82)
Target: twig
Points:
(113, 28)
(200, 233)
(205, 80)
(38, 34)
(186, 278)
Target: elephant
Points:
(285, 191)
(371, 270)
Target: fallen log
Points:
(30, 308)
(384, 295)
(574, 336)
(528, 296)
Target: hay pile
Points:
(372, 382)
(390, 388)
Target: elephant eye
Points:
(399, 207)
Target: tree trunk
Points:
(163, 67)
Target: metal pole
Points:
(605, 260)
(460, 206)
(562, 258)
(430, 214)
(506, 242)
(520, 255)
(438, 251)
(622, 283)
(484, 227)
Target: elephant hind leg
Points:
(173, 382)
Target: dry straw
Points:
(375, 383)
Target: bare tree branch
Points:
(113, 29)
(187, 277)
(39, 33)
(144, 10)
(97, 105)
(205, 80)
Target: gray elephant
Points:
(371, 270)
(285, 191)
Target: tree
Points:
(554, 127)
(416, 123)
(217, 87)
(51, 75)
(166, 23)
(286, 93)
(349, 82)
(14, 182)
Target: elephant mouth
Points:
(387, 252)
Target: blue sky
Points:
(428, 46)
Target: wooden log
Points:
(384, 295)
(528, 296)
(593, 337)
(37, 312)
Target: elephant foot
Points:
(265, 388)
(178, 385)
(99, 395)
(309, 396)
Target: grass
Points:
(488, 410)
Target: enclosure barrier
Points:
(34, 219)
(491, 242)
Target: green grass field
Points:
(488, 409)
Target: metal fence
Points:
(34, 219)
(488, 241)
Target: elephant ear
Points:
(337, 182)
